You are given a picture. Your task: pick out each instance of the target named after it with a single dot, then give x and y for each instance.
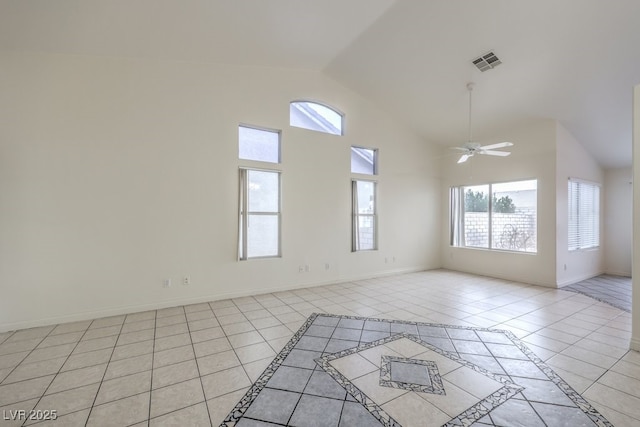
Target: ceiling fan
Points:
(471, 148)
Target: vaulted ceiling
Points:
(575, 61)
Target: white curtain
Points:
(456, 216)
(355, 236)
(242, 215)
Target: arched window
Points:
(313, 116)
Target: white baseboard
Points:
(577, 279)
(618, 273)
(499, 276)
(635, 344)
(117, 311)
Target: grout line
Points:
(113, 349)
(153, 358)
(61, 366)
(204, 393)
(9, 335)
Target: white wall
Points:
(618, 221)
(635, 311)
(533, 157)
(575, 162)
(118, 173)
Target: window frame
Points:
(264, 129)
(595, 212)
(355, 216)
(244, 214)
(457, 230)
(342, 116)
(375, 159)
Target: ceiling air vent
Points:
(487, 61)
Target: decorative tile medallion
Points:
(411, 374)
(355, 371)
(485, 399)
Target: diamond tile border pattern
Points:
(471, 415)
(243, 405)
(436, 386)
(251, 394)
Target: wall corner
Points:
(635, 303)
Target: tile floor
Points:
(191, 365)
(614, 290)
(467, 377)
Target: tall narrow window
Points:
(364, 216)
(584, 215)
(259, 214)
(315, 116)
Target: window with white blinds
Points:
(584, 215)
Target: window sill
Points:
(261, 257)
(593, 249)
(501, 251)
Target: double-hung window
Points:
(364, 161)
(259, 207)
(500, 216)
(584, 215)
(364, 215)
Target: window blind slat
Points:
(584, 215)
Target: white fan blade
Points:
(498, 145)
(495, 153)
(464, 158)
(459, 148)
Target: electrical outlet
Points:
(307, 268)
(301, 269)
(327, 266)
(186, 280)
(166, 283)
